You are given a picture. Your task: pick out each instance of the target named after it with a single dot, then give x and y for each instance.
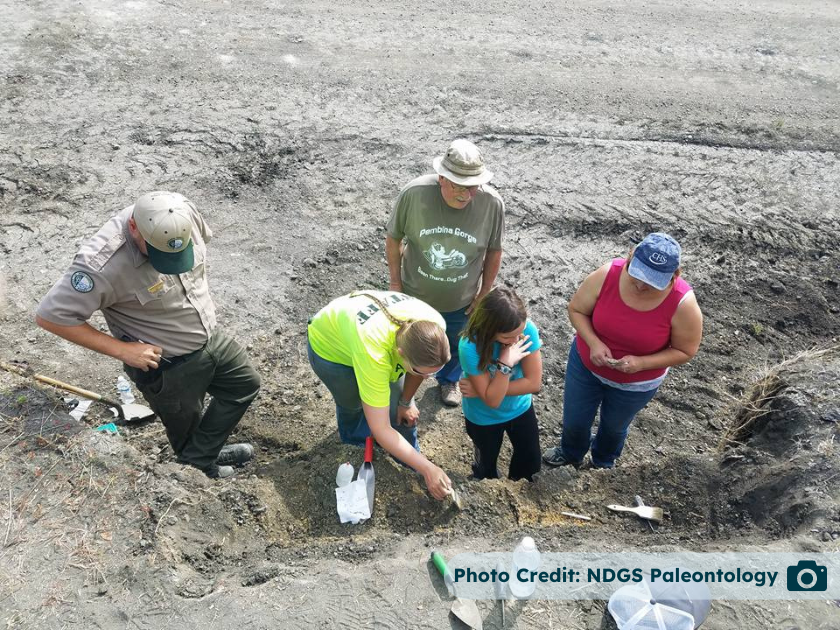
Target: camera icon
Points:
(807, 576)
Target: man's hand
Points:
(142, 356)
(408, 415)
(476, 300)
(394, 254)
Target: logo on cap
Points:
(658, 259)
(176, 243)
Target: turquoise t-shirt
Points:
(511, 407)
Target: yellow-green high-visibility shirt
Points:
(351, 330)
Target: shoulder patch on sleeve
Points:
(98, 260)
(81, 282)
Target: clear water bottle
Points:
(525, 556)
(124, 389)
(344, 474)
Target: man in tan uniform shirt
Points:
(145, 270)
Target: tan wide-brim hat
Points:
(462, 164)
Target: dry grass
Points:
(757, 402)
(755, 405)
(827, 447)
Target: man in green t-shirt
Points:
(444, 244)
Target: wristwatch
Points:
(404, 403)
(504, 368)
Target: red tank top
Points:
(625, 330)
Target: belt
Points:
(167, 363)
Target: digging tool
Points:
(463, 609)
(132, 412)
(640, 503)
(648, 513)
(501, 590)
(455, 497)
(366, 473)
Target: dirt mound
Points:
(781, 452)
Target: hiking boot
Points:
(235, 454)
(450, 394)
(554, 457)
(214, 471)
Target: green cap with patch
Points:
(163, 219)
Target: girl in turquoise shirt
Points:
(500, 356)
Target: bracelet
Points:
(504, 368)
(500, 363)
(403, 403)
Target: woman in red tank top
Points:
(634, 319)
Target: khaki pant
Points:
(176, 394)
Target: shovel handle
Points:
(448, 578)
(51, 381)
(70, 388)
(368, 449)
(440, 564)
(85, 393)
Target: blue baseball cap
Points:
(655, 260)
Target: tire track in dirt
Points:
(740, 199)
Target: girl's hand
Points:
(600, 355)
(515, 352)
(467, 389)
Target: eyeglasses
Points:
(459, 189)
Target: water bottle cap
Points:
(528, 543)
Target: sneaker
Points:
(235, 454)
(214, 471)
(554, 457)
(450, 394)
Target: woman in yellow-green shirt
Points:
(372, 350)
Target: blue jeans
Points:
(583, 394)
(352, 425)
(455, 323)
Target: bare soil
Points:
(292, 127)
